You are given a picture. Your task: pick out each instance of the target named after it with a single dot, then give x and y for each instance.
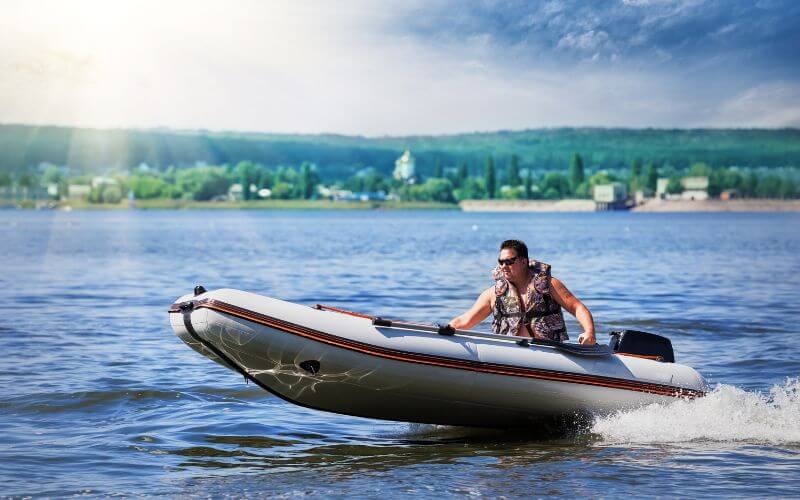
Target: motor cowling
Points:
(642, 344)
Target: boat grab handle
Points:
(577, 349)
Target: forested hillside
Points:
(91, 150)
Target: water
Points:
(99, 397)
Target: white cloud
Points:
(774, 104)
(552, 7)
(725, 30)
(319, 67)
(588, 41)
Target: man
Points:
(526, 300)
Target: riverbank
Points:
(761, 205)
(527, 206)
(542, 206)
(258, 205)
(719, 206)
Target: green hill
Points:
(97, 150)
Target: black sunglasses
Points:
(507, 262)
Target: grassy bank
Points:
(261, 205)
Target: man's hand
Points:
(587, 338)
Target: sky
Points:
(409, 67)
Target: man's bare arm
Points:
(477, 313)
(575, 307)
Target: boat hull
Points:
(344, 364)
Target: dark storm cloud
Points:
(676, 34)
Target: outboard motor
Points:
(642, 344)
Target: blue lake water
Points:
(98, 396)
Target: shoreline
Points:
(496, 206)
(747, 205)
(161, 204)
(650, 206)
(527, 206)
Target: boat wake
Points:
(727, 414)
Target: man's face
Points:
(512, 266)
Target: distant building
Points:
(612, 196)
(695, 188)
(404, 167)
(661, 187)
(614, 192)
(642, 195)
(236, 193)
(102, 181)
(77, 191)
(695, 183)
(344, 195)
(371, 196)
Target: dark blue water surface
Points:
(98, 396)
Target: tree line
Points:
(447, 184)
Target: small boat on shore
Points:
(355, 364)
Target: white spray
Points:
(726, 414)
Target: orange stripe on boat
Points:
(643, 356)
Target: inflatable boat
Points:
(339, 361)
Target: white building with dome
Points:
(404, 167)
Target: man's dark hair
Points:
(518, 246)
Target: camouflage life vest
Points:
(542, 318)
